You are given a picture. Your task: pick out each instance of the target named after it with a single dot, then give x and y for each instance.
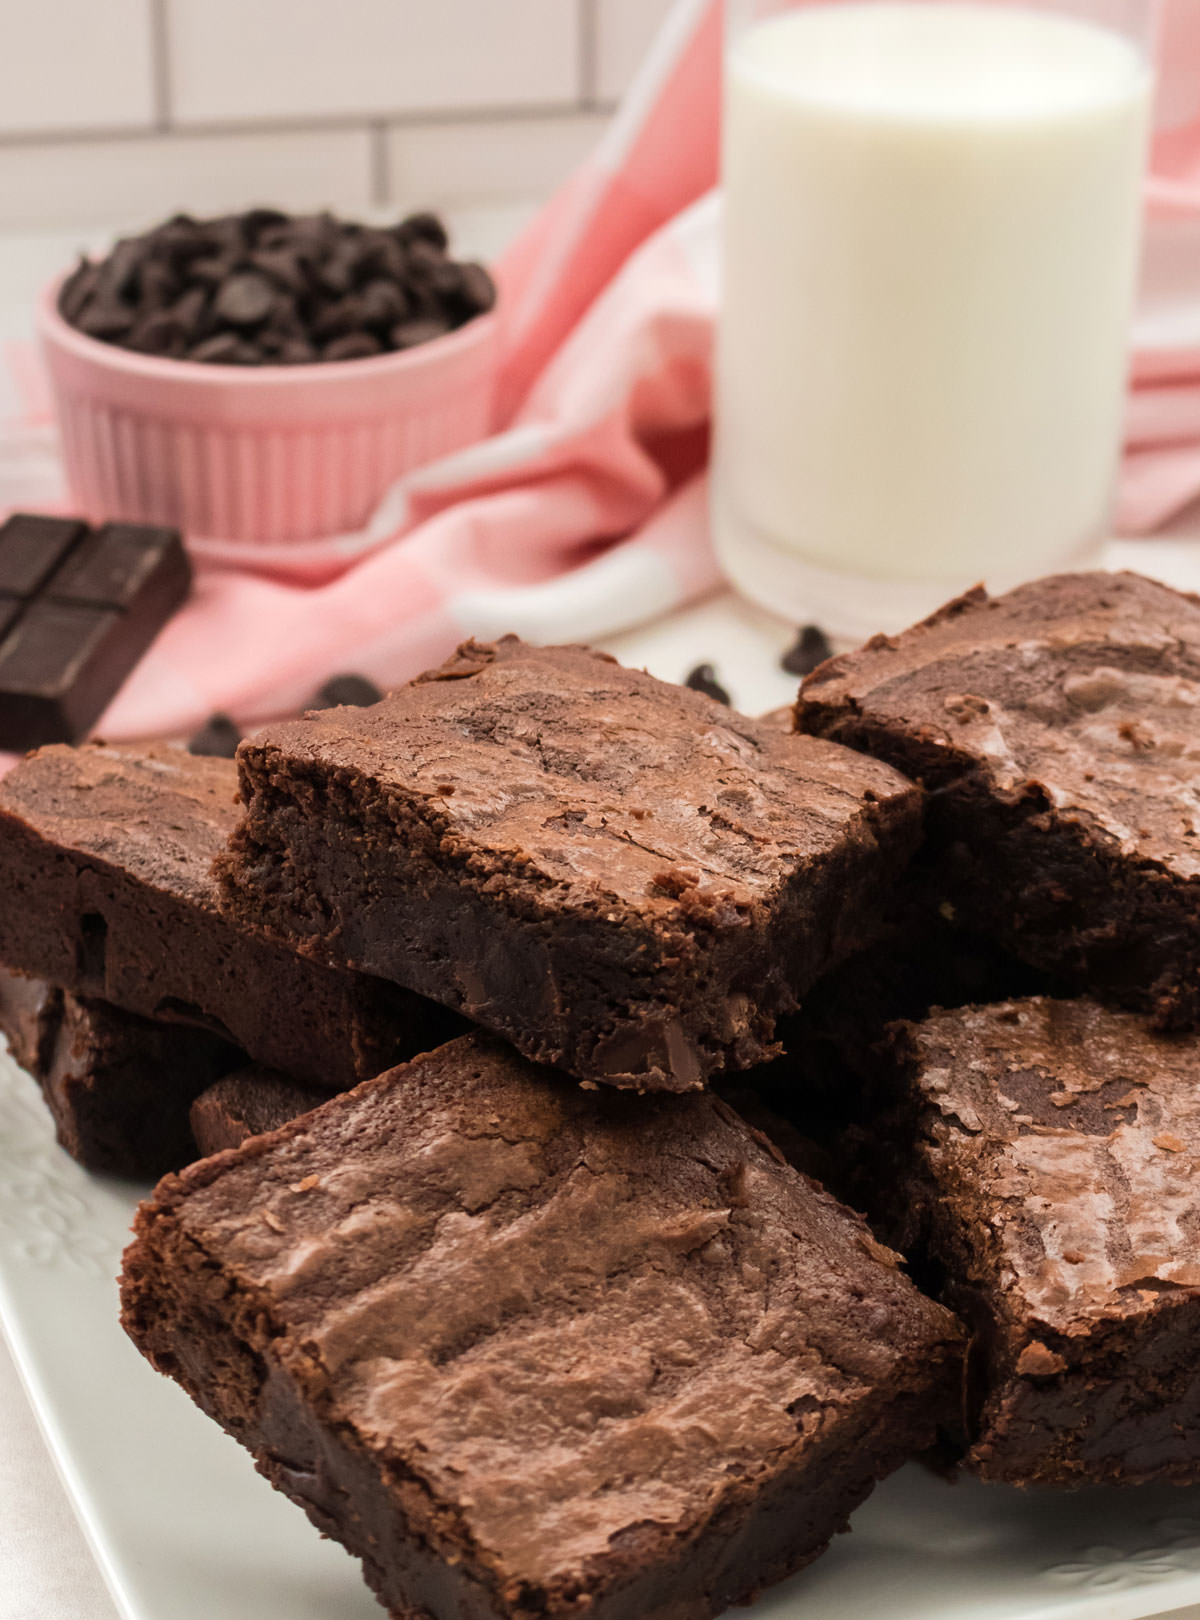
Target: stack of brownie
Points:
(552, 1318)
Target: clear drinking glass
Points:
(932, 214)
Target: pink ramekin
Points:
(258, 454)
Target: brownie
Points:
(249, 1102)
(530, 1349)
(1056, 729)
(118, 1086)
(624, 878)
(1044, 1155)
(105, 890)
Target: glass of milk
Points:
(932, 212)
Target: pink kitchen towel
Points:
(587, 512)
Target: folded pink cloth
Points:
(587, 513)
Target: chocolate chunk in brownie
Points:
(1057, 729)
(249, 1102)
(1044, 1155)
(528, 1349)
(105, 890)
(623, 878)
(118, 1086)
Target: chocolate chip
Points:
(211, 270)
(263, 288)
(257, 220)
(189, 311)
(106, 318)
(811, 648)
(296, 351)
(221, 348)
(118, 272)
(245, 299)
(354, 346)
(423, 228)
(348, 692)
(478, 289)
(218, 737)
(77, 289)
(382, 303)
(704, 679)
(336, 319)
(283, 266)
(159, 333)
(408, 334)
(157, 284)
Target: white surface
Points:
(297, 58)
(931, 220)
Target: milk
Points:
(931, 226)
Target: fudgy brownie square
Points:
(1044, 1159)
(530, 1349)
(622, 877)
(1057, 729)
(106, 890)
(117, 1086)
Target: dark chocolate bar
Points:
(78, 608)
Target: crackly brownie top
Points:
(158, 813)
(566, 1316)
(1087, 684)
(560, 765)
(1065, 1139)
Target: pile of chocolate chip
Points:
(266, 289)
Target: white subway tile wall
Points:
(76, 64)
(625, 32)
(255, 59)
(113, 112)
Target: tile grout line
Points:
(589, 23)
(381, 165)
(160, 65)
(432, 118)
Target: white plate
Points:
(184, 1529)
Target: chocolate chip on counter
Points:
(245, 299)
(811, 648)
(704, 679)
(218, 737)
(346, 692)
